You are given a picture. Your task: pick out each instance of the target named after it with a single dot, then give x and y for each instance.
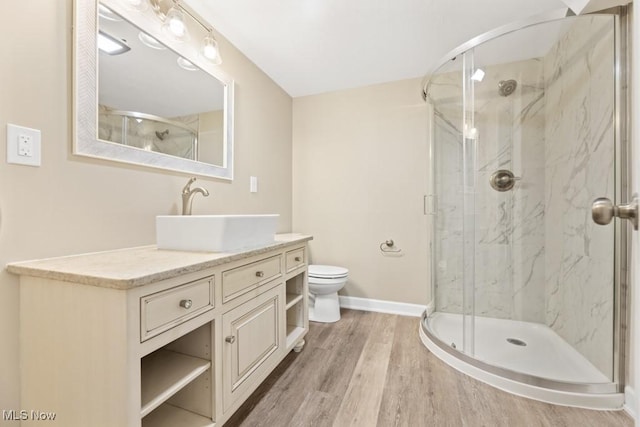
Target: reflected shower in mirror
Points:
(153, 99)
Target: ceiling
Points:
(316, 46)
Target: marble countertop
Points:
(133, 267)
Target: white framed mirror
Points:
(161, 106)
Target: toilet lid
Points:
(327, 271)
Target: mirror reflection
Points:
(152, 99)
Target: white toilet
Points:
(324, 283)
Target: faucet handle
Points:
(186, 188)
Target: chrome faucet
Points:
(187, 196)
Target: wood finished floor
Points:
(371, 369)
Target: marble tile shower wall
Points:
(509, 225)
(509, 235)
(579, 165)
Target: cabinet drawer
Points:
(294, 259)
(164, 310)
(240, 280)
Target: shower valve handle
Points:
(503, 180)
(603, 210)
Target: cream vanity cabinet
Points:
(157, 338)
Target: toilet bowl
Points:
(324, 283)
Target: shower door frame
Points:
(622, 229)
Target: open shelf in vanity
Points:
(166, 372)
(177, 384)
(295, 309)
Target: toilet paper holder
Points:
(389, 246)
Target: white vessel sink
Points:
(214, 233)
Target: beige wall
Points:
(74, 205)
(359, 176)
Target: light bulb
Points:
(175, 25)
(210, 50)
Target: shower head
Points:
(162, 135)
(507, 87)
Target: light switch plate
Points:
(253, 184)
(23, 145)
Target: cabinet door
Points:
(253, 343)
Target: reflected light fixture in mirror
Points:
(186, 65)
(149, 41)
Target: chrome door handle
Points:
(603, 210)
(259, 273)
(186, 303)
(230, 339)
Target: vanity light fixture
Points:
(149, 41)
(111, 45)
(174, 23)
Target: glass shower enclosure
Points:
(528, 128)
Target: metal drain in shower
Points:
(516, 341)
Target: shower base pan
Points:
(526, 359)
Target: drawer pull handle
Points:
(230, 339)
(186, 303)
(259, 273)
(298, 259)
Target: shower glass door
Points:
(524, 139)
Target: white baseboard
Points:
(380, 306)
(630, 402)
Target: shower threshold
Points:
(527, 359)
